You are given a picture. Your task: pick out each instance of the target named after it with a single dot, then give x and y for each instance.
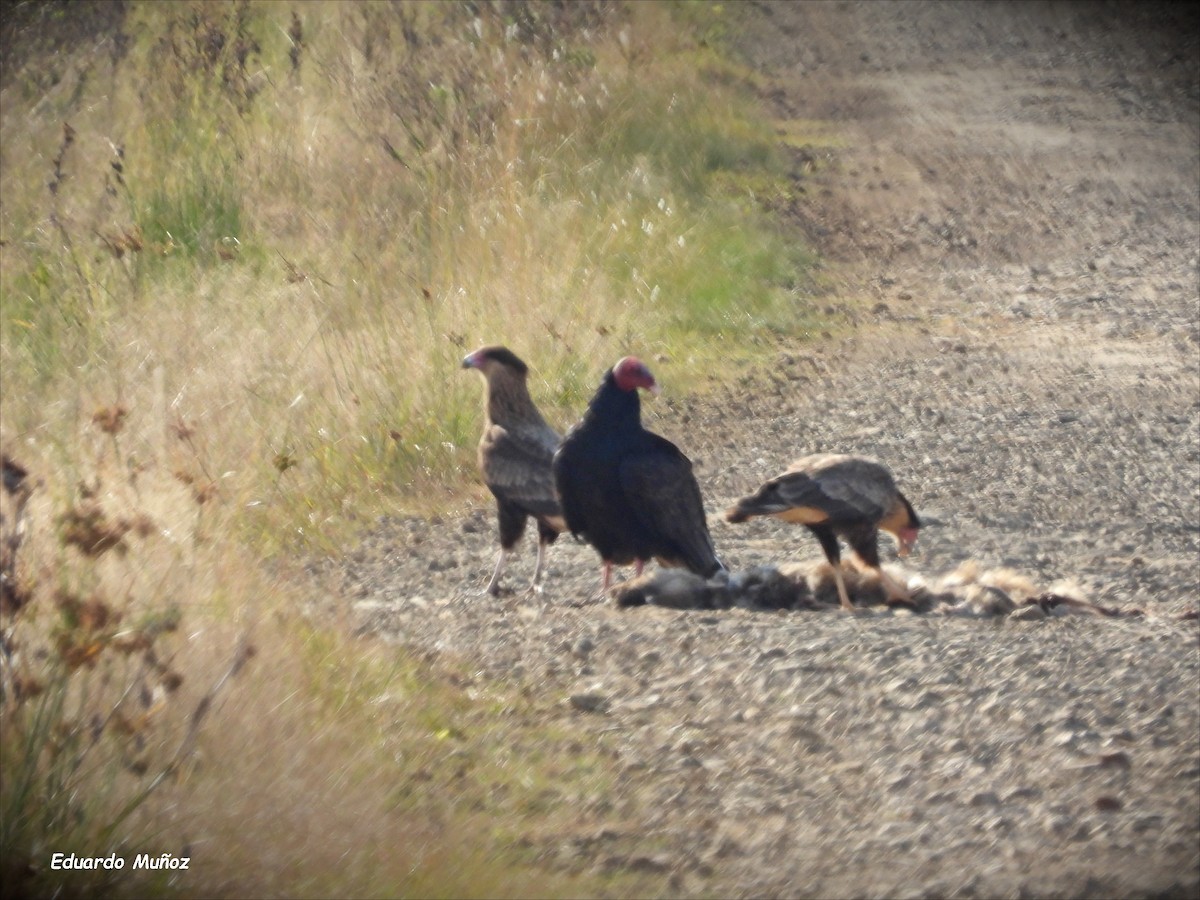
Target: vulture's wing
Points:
(516, 468)
(662, 492)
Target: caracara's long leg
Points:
(865, 544)
(493, 587)
(843, 595)
(536, 584)
(829, 543)
(547, 535)
(511, 521)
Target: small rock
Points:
(658, 863)
(1118, 760)
(1025, 793)
(1108, 803)
(1059, 824)
(1072, 721)
(1147, 823)
(589, 702)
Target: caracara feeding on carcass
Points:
(630, 493)
(839, 496)
(514, 457)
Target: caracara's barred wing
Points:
(663, 495)
(516, 467)
(824, 487)
(849, 486)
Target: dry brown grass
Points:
(244, 248)
(185, 703)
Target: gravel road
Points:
(1013, 226)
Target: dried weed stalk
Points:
(90, 692)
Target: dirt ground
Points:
(1012, 222)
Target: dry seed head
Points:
(14, 595)
(77, 653)
(129, 642)
(92, 614)
(87, 528)
(182, 430)
(15, 475)
(294, 275)
(171, 681)
(110, 419)
(26, 687)
(143, 526)
(202, 493)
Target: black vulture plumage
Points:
(628, 492)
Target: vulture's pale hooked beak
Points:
(469, 361)
(653, 388)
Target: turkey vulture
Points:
(514, 457)
(836, 495)
(627, 492)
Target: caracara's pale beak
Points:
(469, 361)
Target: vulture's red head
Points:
(630, 373)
